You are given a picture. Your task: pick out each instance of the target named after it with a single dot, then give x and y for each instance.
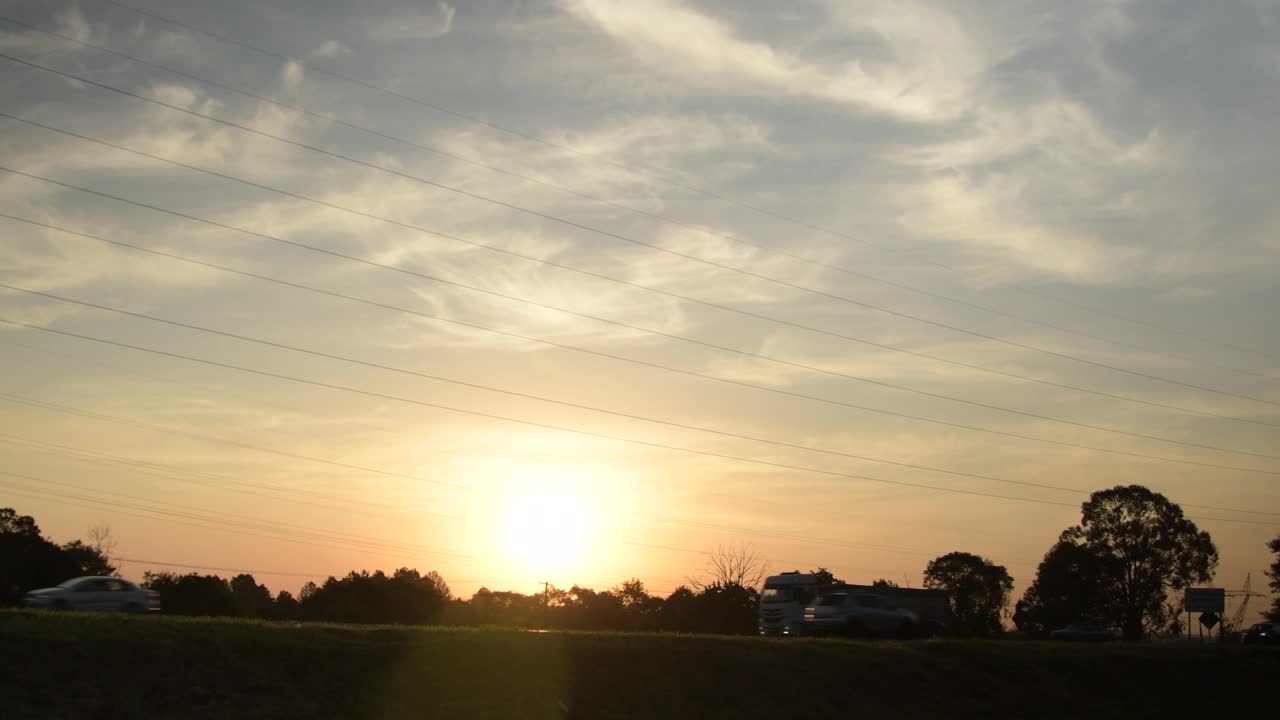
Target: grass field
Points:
(96, 666)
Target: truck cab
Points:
(783, 600)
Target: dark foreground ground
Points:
(97, 666)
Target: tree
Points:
(82, 559)
(285, 606)
(192, 594)
(1274, 573)
(825, 578)
(979, 590)
(728, 609)
(251, 599)
(733, 565)
(103, 541)
(1070, 586)
(1148, 549)
(883, 584)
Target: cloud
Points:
(703, 50)
(330, 49)
(291, 76)
(418, 24)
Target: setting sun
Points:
(546, 527)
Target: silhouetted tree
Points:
(679, 612)
(1274, 573)
(103, 540)
(733, 565)
(405, 596)
(884, 584)
(251, 599)
(285, 606)
(825, 578)
(192, 594)
(1070, 586)
(728, 609)
(979, 590)
(85, 559)
(307, 591)
(1149, 549)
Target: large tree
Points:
(979, 590)
(1149, 549)
(1070, 586)
(1274, 614)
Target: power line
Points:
(247, 571)
(531, 423)
(182, 513)
(880, 383)
(672, 521)
(621, 206)
(160, 468)
(254, 526)
(549, 426)
(152, 467)
(58, 407)
(760, 356)
(763, 388)
(606, 233)
(540, 398)
(269, 573)
(650, 174)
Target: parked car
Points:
(858, 614)
(1263, 633)
(1085, 632)
(95, 593)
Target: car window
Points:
(868, 601)
(116, 585)
(92, 586)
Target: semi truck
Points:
(792, 598)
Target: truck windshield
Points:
(776, 595)
(794, 593)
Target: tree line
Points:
(1124, 565)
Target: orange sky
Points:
(856, 289)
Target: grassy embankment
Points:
(92, 666)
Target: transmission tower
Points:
(1237, 618)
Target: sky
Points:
(580, 290)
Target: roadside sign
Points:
(1206, 600)
(1209, 619)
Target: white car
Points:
(95, 593)
(858, 614)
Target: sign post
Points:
(1210, 603)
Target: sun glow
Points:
(547, 526)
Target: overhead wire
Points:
(540, 398)
(650, 174)
(606, 233)
(848, 376)
(558, 428)
(773, 390)
(611, 203)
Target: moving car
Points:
(858, 614)
(1263, 633)
(1084, 632)
(95, 593)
